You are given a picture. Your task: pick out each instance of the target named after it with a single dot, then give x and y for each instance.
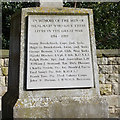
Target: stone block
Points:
(5, 71)
(102, 78)
(6, 62)
(102, 60)
(112, 109)
(108, 52)
(2, 80)
(1, 62)
(113, 100)
(3, 90)
(117, 111)
(116, 87)
(105, 89)
(118, 60)
(94, 108)
(105, 69)
(1, 72)
(118, 69)
(112, 60)
(115, 69)
(112, 78)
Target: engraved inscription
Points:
(59, 52)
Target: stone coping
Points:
(4, 53)
(100, 53)
(108, 52)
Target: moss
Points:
(4, 70)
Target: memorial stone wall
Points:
(109, 77)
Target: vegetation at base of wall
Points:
(106, 16)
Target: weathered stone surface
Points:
(101, 78)
(112, 60)
(105, 89)
(52, 3)
(67, 108)
(3, 90)
(108, 78)
(108, 53)
(4, 53)
(112, 109)
(117, 111)
(1, 72)
(115, 69)
(113, 100)
(2, 81)
(112, 78)
(102, 60)
(118, 69)
(118, 60)
(5, 71)
(1, 62)
(116, 88)
(6, 61)
(105, 69)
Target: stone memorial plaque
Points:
(59, 52)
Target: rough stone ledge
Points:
(4, 53)
(94, 108)
(108, 52)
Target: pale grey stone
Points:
(112, 109)
(113, 78)
(2, 80)
(115, 69)
(117, 112)
(102, 60)
(105, 69)
(108, 52)
(116, 89)
(107, 78)
(118, 60)
(99, 61)
(1, 62)
(3, 90)
(6, 61)
(118, 69)
(92, 108)
(113, 100)
(1, 72)
(112, 60)
(53, 3)
(102, 78)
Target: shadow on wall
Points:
(10, 98)
(8, 102)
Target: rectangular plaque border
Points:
(27, 55)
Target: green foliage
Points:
(106, 16)
(9, 8)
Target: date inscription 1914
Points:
(59, 52)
